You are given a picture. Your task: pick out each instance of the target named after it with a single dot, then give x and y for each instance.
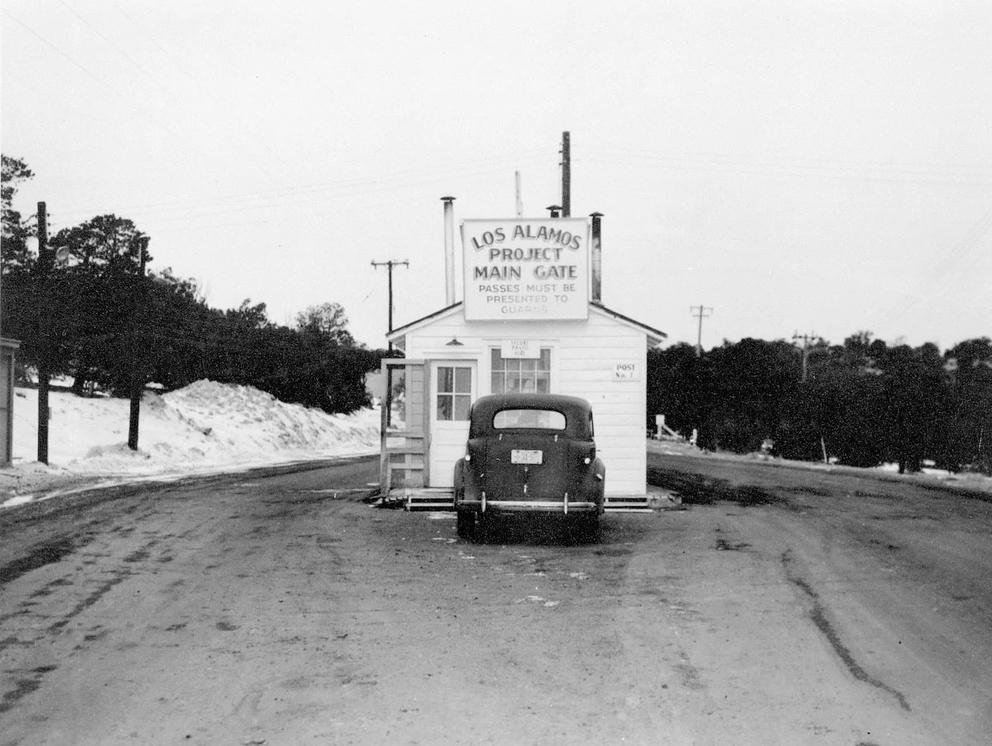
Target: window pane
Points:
(499, 383)
(543, 419)
(528, 383)
(445, 379)
(545, 358)
(396, 416)
(497, 359)
(444, 407)
(462, 405)
(543, 384)
(463, 380)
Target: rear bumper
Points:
(502, 506)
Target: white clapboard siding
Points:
(584, 359)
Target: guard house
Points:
(530, 318)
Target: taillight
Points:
(475, 453)
(583, 454)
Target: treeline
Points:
(97, 315)
(862, 403)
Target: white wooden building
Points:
(529, 319)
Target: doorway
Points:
(453, 388)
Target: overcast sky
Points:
(796, 166)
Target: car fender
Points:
(599, 478)
(458, 480)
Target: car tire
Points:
(483, 528)
(588, 528)
(466, 524)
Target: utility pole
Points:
(137, 359)
(807, 339)
(389, 266)
(45, 265)
(700, 312)
(566, 175)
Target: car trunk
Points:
(527, 466)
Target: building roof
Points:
(658, 335)
(654, 336)
(422, 320)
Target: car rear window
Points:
(541, 419)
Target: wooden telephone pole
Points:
(389, 264)
(45, 265)
(566, 175)
(807, 340)
(700, 312)
(137, 358)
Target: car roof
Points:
(531, 401)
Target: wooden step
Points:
(428, 498)
(627, 504)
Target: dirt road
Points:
(277, 608)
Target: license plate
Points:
(526, 457)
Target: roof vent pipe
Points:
(597, 257)
(449, 250)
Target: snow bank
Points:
(205, 427)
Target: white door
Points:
(453, 389)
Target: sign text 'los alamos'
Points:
(526, 269)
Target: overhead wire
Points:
(237, 133)
(113, 45)
(189, 211)
(952, 174)
(935, 282)
(54, 47)
(130, 101)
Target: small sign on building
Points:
(627, 370)
(520, 349)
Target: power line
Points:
(946, 174)
(138, 110)
(55, 47)
(808, 162)
(110, 43)
(322, 191)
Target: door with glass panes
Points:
(453, 389)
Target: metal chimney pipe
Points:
(555, 210)
(597, 258)
(449, 250)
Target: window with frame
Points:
(521, 375)
(537, 419)
(454, 392)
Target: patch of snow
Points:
(206, 427)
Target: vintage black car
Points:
(528, 454)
